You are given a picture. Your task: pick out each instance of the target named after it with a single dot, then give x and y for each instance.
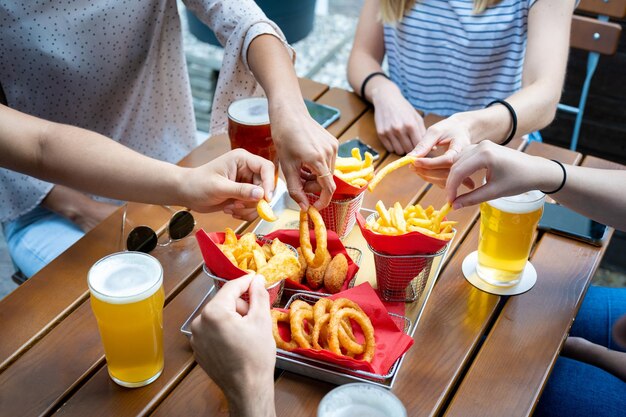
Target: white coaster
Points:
(529, 277)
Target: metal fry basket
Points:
(340, 215)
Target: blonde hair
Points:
(391, 11)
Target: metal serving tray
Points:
(336, 374)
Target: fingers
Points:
(326, 183)
(228, 295)
(259, 297)
(226, 189)
(294, 184)
(242, 306)
(430, 139)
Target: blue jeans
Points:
(37, 237)
(577, 388)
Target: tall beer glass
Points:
(507, 229)
(127, 299)
(249, 128)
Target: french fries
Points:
(355, 170)
(274, 262)
(265, 211)
(394, 221)
(405, 160)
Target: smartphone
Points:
(345, 148)
(563, 221)
(321, 113)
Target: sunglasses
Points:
(145, 239)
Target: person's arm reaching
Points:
(399, 126)
(612, 361)
(300, 141)
(535, 104)
(595, 193)
(90, 162)
(233, 343)
(255, 51)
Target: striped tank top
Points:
(446, 60)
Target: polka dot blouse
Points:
(116, 67)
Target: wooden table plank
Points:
(310, 89)
(350, 105)
(524, 343)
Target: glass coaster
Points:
(528, 280)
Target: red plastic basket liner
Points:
(411, 243)
(340, 215)
(391, 342)
(292, 237)
(220, 266)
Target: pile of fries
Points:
(355, 170)
(396, 221)
(274, 261)
(326, 326)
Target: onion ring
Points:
(362, 320)
(297, 327)
(277, 316)
(317, 258)
(317, 330)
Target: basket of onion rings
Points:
(350, 330)
(228, 256)
(328, 267)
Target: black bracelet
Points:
(367, 80)
(513, 117)
(562, 182)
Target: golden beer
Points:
(507, 229)
(127, 299)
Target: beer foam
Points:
(250, 111)
(125, 277)
(360, 399)
(518, 204)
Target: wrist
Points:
(549, 175)
(379, 88)
(252, 401)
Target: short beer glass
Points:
(507, 229)
(127, 299)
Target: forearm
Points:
(83, 160)
(272, 67)
(534, 105)
(257, 402)
(612, 361)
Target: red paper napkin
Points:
(214, 258)
(346, 190)
(391, 342)
(411, 243)
(334, 245)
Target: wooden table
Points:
(474, 353)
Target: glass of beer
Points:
(127, 299)
(360, 399)
(249, 128)
(507, 229)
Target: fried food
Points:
(315, 274)
(336, 273)
(354, 170)
(326, 326)
(265, 211)
(405, 160)
(298, 277)
(413, 218)
(274, 261)
(316, 258)
(366, 326)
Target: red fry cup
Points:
(340, 215)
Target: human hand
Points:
(233, 343)
(77, 207)
(398, 125)
(452, 132)
(234, 182)
(508, 172)
(304, 146)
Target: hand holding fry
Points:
(405, 160)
